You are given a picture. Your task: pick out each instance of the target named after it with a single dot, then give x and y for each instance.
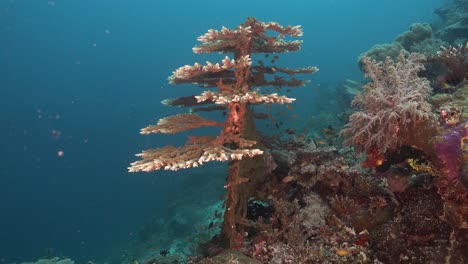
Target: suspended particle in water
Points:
(56, 134)
(60, 153)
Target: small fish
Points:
(164, 252)
(288, 179)
(261, 115)
(290, 131)
(302, 137)
(446, 86)
(267, 55)
(329, 132)
(290, 107)
(315, 142)
(343, 252)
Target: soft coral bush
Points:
(394, 108)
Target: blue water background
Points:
(95, 71)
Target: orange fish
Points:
(288, 179)
(301, 137)
(343, 252)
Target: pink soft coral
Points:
(393, 109)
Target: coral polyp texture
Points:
(394, 108)
(237, 84)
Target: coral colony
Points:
(394, 109)
(395, 191)
(234, 80)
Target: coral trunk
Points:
(244, 176)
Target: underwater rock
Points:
(454, 18)
(422, 211)
(283, 158)
(458, 29)
(232, 256)
(389, 242)
(396, 182)
(313, 214)
(324, 165)
(443, 13)
(418, 234)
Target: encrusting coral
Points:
(235, 78)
